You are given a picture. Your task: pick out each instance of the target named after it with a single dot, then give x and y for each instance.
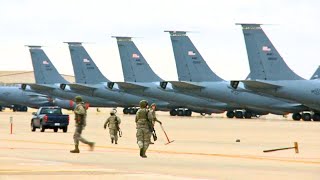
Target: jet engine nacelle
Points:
(65, 104)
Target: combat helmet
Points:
(78, 99)
(143, 104)
(113, 112)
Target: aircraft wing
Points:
(78, 87)
(185, 85)
(259, 85)
(255, 85)
(39, 87)
(128, 85)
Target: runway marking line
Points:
(182, 153)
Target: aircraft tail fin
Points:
(44, 70)
(135, 68)
(189, 62)
(85, 70)
(264, 60)
(316, 74)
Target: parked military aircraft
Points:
(195, 77)
(17, 99)
(90, 81)
(48, 82)
(271, 75)
(140, 79)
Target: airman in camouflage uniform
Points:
(80, 118)
(152, 109)
(143, 124)
(113, 123)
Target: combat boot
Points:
(141, 152)
(91, 146)
(112, 140)
(116, 142)
(76, 149)
(144, 153)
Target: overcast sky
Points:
(50, 22)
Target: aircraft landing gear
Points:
(239, 114)
(247, 115)
(173, 112)
(316, 117)
(130, 110)
(296, 116)
(188, 112)
(180, 112)
(230, 114)
(306, 117)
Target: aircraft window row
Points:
(272, 58)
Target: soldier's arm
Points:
(106, 123)
(137, 116)
(150, 116)
(119, 120)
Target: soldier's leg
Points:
(146, 141)
(77, 134)
(111, 135)
(116, 136)
(139, 136)
(81, 139)
(76, 140)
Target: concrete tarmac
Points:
(203, 148)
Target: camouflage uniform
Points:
(154, 120)
(80, 113)
(143, 122)
(113, 123)
(153, 112)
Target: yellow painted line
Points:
(185, 153)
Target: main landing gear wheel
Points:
(306, 116)
(173, 112)
(296, 116)
(125, 111)
(230, 114)
(180, 113)
(239, 114)
(316, 117)
(188, 112)
(247, 115)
